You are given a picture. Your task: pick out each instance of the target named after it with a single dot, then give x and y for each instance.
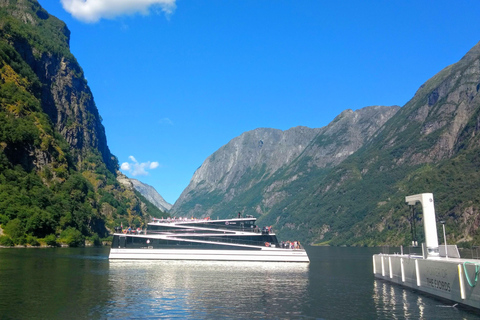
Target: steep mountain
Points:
(57, 175)
(238, 166)
(261, 168)
(430, 145)
(346, 183)
(151, 195)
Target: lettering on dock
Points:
(439, 284)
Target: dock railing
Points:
(415, 251)
(470, 253)
(465, 253)
(475, 252)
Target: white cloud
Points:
(138, 169)
(94, 10)
(125, 166)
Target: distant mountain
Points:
(346, 183)
(151, 195)
(261, 168)
(57, 175)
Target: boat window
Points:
(122, 242)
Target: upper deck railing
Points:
(200, 220)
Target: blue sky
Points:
(176, 80)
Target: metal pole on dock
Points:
(444, 238)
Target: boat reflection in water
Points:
(398, 302)
(202, 289)
(391, 300)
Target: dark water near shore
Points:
(81, 283)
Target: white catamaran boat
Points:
(204, 239)
(439, 271)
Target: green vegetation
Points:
(51, 193)
(152, 210)
(42, 31)
(72, 237)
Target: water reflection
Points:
(204, 289)
(52, 283)
(396, 302)
(81, 283)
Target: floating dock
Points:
(439, 271)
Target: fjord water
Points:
(81, 283)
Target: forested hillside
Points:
(430, 145)
(57, 175)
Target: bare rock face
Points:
(69, 103)
(124, 180)
(21, 11)
(243, 162)
(268, 148)
(347, 133)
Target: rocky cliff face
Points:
(243, 162)
(347, 133)
(439, 114)
(65, 95)
(69, 104)
(268, 161)
(268, 148)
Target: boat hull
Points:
(265, 254)
(444, 278)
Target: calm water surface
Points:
(83, 284)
